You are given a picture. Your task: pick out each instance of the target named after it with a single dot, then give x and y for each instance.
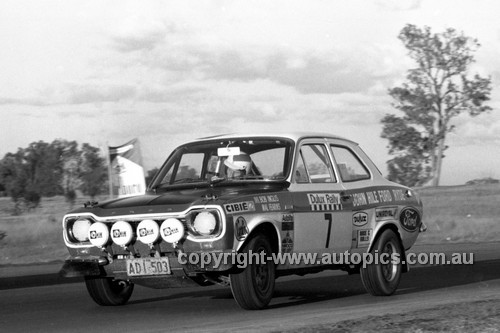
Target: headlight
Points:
(205, 223)
(121, 233)
(148, 231)
(80, 230)
(98, 234)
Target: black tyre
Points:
(382, 278)
(107, 291)
(253, 287)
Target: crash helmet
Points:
(241, 163)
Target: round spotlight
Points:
(172, 230)
(148, 231)
(205, 223)
(98, 234)
(80, 230)
(121, 233)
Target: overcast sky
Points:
(105, 72)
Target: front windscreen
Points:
(233, 160)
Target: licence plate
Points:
(148, 266)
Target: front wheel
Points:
(107, 291)
(382, 276)
(253, 287)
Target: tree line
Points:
(48, 169)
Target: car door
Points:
(322, 222)
(360, 189)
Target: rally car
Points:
(220, 198)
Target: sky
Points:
(166, 72)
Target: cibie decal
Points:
(360, 219)
(324, 201)
(240, 207)
(409, 219)
(382, 214)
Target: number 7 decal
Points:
(329, 218)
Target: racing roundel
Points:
(409, 219)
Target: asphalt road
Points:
(42, 304)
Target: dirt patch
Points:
(480, 316)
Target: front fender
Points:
(268, 226)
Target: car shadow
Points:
(312, 289)
(418, 279)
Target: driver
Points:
(238, 165)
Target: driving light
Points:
(80, 230)
(148, 231)
(121, 233)
(172, 230)
(205, 223)
(98, 234)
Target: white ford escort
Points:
(242, 210)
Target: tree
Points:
(13, 175)
(71, 160)
(45, 168)
(436, 91)
(93, 171)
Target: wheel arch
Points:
(395, 229)
(268, 229)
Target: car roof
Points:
(295, 136)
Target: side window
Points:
(313, 165)
(350, 167)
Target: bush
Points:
(32, 199)
(70, 197)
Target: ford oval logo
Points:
(409, 219)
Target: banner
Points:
(126, 171)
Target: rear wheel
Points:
(108, 291)
(253, 287)
(382, 278)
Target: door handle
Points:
(344, 196)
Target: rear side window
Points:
(350, 167)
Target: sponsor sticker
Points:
(287, 243)
(409, 219)
(241, 228)
(287, 222)
(360, 219)
(240, 207)
(379, 196)
(364, 237)
(324, 201)
(383, 214)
